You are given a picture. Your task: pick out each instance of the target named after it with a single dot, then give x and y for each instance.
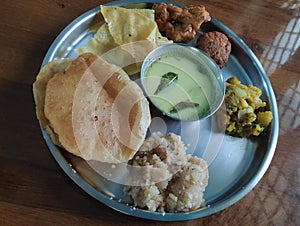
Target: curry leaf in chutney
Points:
(182, 105)
(165, 81)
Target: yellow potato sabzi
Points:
(245, 114)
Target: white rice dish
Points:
(172, 181)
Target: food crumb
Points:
(61, 5)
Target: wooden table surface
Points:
(33, 188)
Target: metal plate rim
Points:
(67, 168)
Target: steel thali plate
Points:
(235, 165)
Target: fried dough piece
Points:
(179, 24)
(39, 92)
(97, 112)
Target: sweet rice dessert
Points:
(174, 181)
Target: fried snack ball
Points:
(216, 45)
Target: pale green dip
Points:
(192, 85)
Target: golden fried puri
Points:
(95, 110)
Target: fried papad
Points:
(97, 112)
(39, 91)
(126, 37)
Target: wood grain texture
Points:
(35, 191)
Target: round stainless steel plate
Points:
(234, 169)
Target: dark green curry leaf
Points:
(166, 80)
(182, 105)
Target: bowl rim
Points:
(217, 76)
